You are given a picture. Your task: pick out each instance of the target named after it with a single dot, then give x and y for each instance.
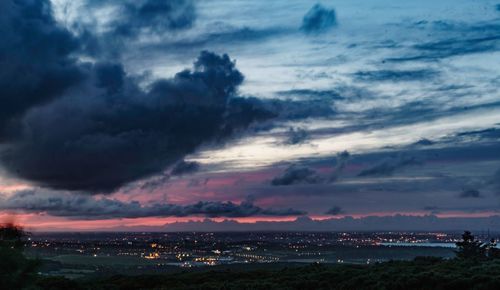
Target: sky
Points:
(227, 115)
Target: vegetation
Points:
(16, 271)
(471, 249)
(476, 267)
(422, 273)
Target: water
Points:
(432, 245)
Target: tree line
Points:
(476, 266)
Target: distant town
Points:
(76, 254)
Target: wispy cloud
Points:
(396, 75)
(470, 193)
(335, 210)
(389, 166)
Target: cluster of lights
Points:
(152, 256)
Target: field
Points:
(422, 274)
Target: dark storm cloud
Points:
(297, 175)
(335, 210)
(91, 127)
(390, 165)
(470, 193)
(185, 167)
(110, 76)
(87, 207)
(98, 139)
(396, 75)
(35, 57)
(107, 131)
(241, 111)
(319, 19)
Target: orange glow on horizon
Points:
(42, 222)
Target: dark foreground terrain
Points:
(422, 273)
(476, 266)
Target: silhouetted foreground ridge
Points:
(476, 267)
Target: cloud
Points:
(319, 19)
(160, 27)
(296, 136)
(197, 182)
(396, 75)
(79, 206)
(470, 193)
(36, 57)
(317, 94)
(495, 181)
(242, 111)
(298, 109)
(221, 37)
(185, 167)
(90, 126)
(485, 134)
(341, 162)
(369, 223)
(297, 175)
(128, 20)
(463, 39)
(109, 132)
(390, 166)
(423, 142)
(154, 16)
(152, 183)
(336, 210)
(342, 159)
(432, 209)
